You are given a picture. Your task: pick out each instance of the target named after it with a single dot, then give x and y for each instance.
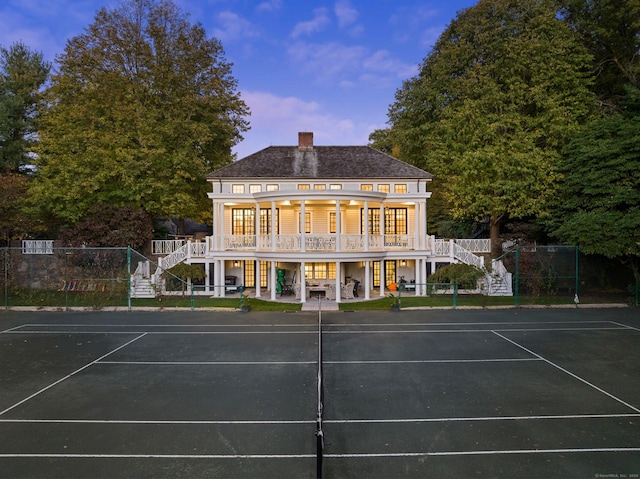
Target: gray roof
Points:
(320, 162)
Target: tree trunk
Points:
(181, 228)
(494, 235)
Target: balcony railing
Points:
(324, 243)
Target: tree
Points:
(503, 90)
(109, 226)
(22, 74)
(598, 205)
(611, 31)
(143, 107)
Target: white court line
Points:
(328, 421)
(331, 456)
(160, 456)
(482, 452)
(211, 363)
(479, 419)
(69, 375)
(626, 326)
(569, 373)
(428, 331)
(434, 361)
(194, 333)
(158, 423)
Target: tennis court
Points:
(513, 393)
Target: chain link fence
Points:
(41, 275)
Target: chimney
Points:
(305, 140)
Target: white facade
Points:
(316, 230)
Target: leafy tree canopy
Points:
(598, 206)
(109, 226)
(503, 90)
(611, 31)
(22, 74)
(143, 107)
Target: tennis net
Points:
(320, 411)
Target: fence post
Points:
(577, 272)
(517, 292)
(455, 295)
(6, 279)
(128, 278)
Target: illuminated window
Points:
(376, 273)
(264, 273)
(332, 222)
(243, 221)
(273, 187)
(307, 221)
(255, 188)
(400, 188)
(265, 221)
(320, 270)
(383, 188)
(319, 187)
(335, 186)
(366, 187)
(237, 189)
(304, 187)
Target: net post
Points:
(129, 278)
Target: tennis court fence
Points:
(41, 274)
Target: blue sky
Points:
(327, 66)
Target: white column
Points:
(418, 225)
(418, 275)
(424, 276)
(366, 226)
(220, 226)
(257, 278)
(383, 279)
(273, 227)
(338, 282)
(257, 226)
(382, 228)
(207, 279)
(215, 226)
(338, 228)
(303, 246)
(303, 281)
(367, 278)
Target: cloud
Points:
(327, 60)
(382, 62)
(345, 12)
(320, 22)
(234, 27)
(349, 64)
(269, 6)
(276, 121)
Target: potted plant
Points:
(394, 302)
(244, 303)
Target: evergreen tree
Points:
(143, 107)
(22, 74)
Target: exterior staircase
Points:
(141, 283)
(498, 282)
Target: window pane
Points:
(273, 187)
(304, 187)
(319, 187)
(237, 189)
(332, 222)
(366, 187)
(400, 188)
(335, 187)
(255, 188)
(383, 188)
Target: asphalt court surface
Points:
(436, 393)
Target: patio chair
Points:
(285, 289)
(347, 290)
(330, 291)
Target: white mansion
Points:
(337, 220)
